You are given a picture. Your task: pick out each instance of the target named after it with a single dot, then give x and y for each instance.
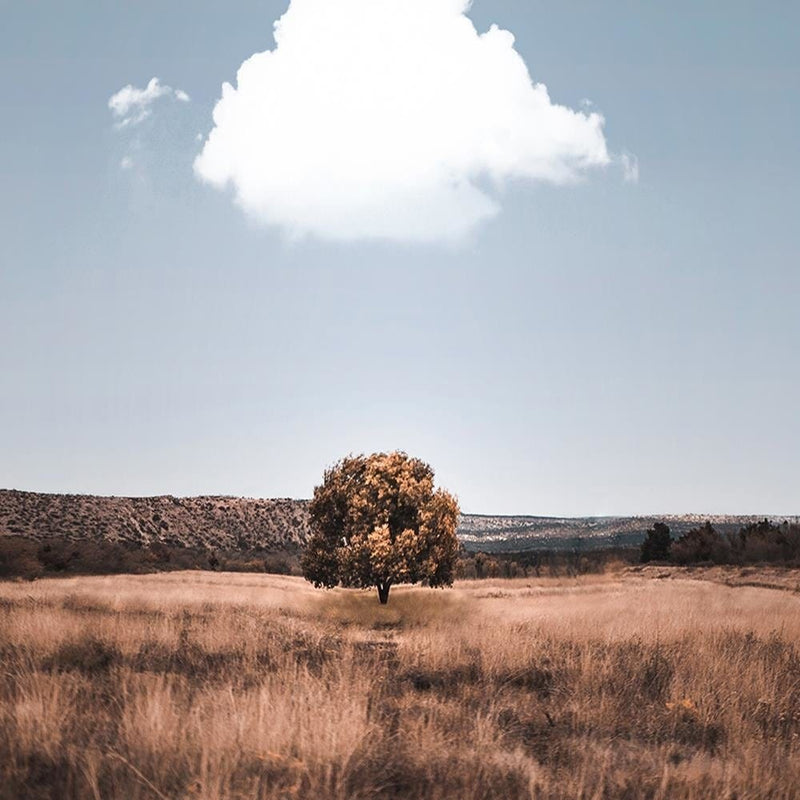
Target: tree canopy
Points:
(657, 544)
(378, 521)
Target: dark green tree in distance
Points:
(378, 521)
(702, 544)
(657, 544)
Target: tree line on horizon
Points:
(757, 542)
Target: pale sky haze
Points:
(385, 232)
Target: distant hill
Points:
(227, 523)
(232, 523)
(512, 534)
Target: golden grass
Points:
(231, 686)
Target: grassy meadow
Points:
(223, 686)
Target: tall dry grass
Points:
(220, 686)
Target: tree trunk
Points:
(383, 592)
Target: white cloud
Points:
(130, 105)
(630, 167)
(389, 119)
(126, 163)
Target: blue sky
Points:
(601, 346)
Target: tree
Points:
(377, 521)
(703, 543)
(657, 544)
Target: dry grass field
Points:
(222, 686)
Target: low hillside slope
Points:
(208, 522)
(232, 523)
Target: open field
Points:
(212, 686)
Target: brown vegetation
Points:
(223, 523)
(28, 559)
(544, 563)
(213, 686)
(760, 542)
(233, 523)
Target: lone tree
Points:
(376, 521)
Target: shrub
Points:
(18, 558)
(277, 565)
